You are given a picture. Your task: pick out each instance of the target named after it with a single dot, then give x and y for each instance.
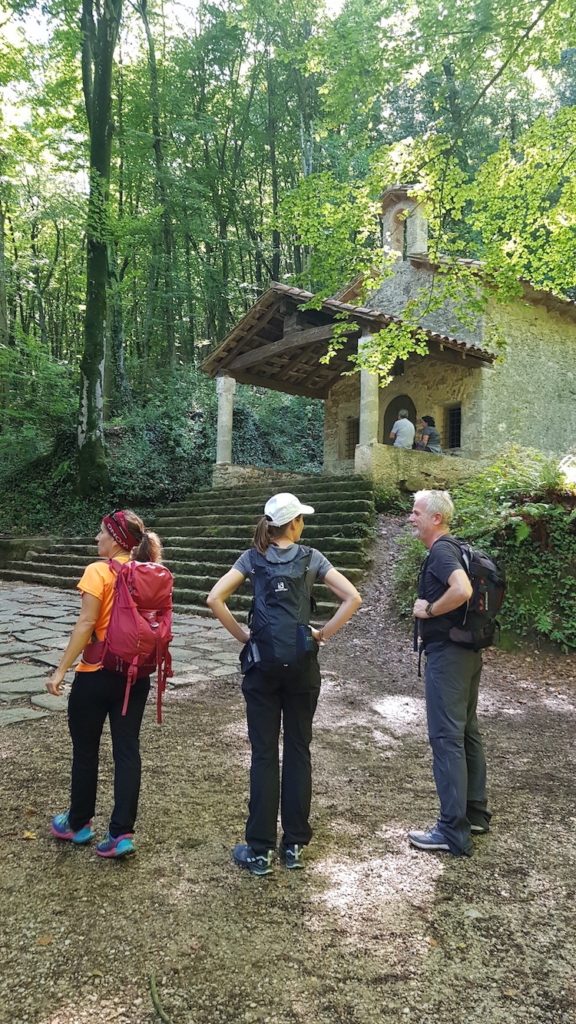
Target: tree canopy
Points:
(160, 164)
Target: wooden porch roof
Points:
(278, 345)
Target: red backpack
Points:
(140, 627)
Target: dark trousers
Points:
(94, 696)
(452, 680)
(287, 696)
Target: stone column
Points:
(369, 402)
(225, 388)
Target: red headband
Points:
(118, 528)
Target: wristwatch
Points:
(429, 611)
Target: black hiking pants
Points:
(284, 696)
(95, 696)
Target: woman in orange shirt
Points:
(98, 693)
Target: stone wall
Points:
(17, 548)
(411, 470)
(411, 281)
(343, 402)
(530, 396)
(432, 385)
(227, 475)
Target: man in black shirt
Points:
(452, 677)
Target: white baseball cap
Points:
(283, 508)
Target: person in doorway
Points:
(281, 681)
(452, 679)
(429, 436)
(403, 431)
(98, 694)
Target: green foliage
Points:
(333, 221)
(162, 449)
(276, 430)
(521, 511)
(391, 500)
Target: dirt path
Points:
(372, 932)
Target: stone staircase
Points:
(204, 535)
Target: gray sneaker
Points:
(432, 839)
(291, 856)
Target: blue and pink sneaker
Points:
(60, 827)
(116, 846)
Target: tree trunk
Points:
(99, 43)
(167, 260)
(272, 129)
(4, 334)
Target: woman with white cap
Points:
(281, 681)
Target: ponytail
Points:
(149, 548)
(265, 534)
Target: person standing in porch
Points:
(403, 431)
(281, 681)
(429, 436)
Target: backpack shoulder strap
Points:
(461, 546)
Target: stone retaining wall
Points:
(228, 475)
(17, 548)
(412, 470)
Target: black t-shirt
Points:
(443, 558)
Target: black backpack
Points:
(479, 624)
(280, 612)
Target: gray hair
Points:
(403, 414)
(437, 501)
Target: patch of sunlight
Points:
(92, 1007)
(402, 713)
(385, 739)
(378, 889)
(495, 702)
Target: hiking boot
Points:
(479, 830)
(292, 856)
(432, 839)
(60, 828)
(257, 863)
(116, 846)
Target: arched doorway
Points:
(391, 414)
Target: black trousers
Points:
(287, 696)
(95, 696)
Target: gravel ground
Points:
(372, 931)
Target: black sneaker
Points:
(292, 856)
(479, 830)
(257, 863)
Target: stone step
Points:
(218, 560)
(256, 499)
(314, 535)
(47, 579)
(186, 577)
(208, 571)
(241, 602)
(203, 536)
(202, 525)
(362, 511)
(231, 547)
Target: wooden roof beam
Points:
(279, 385)
(290, 342)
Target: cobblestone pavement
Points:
(35, 625)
